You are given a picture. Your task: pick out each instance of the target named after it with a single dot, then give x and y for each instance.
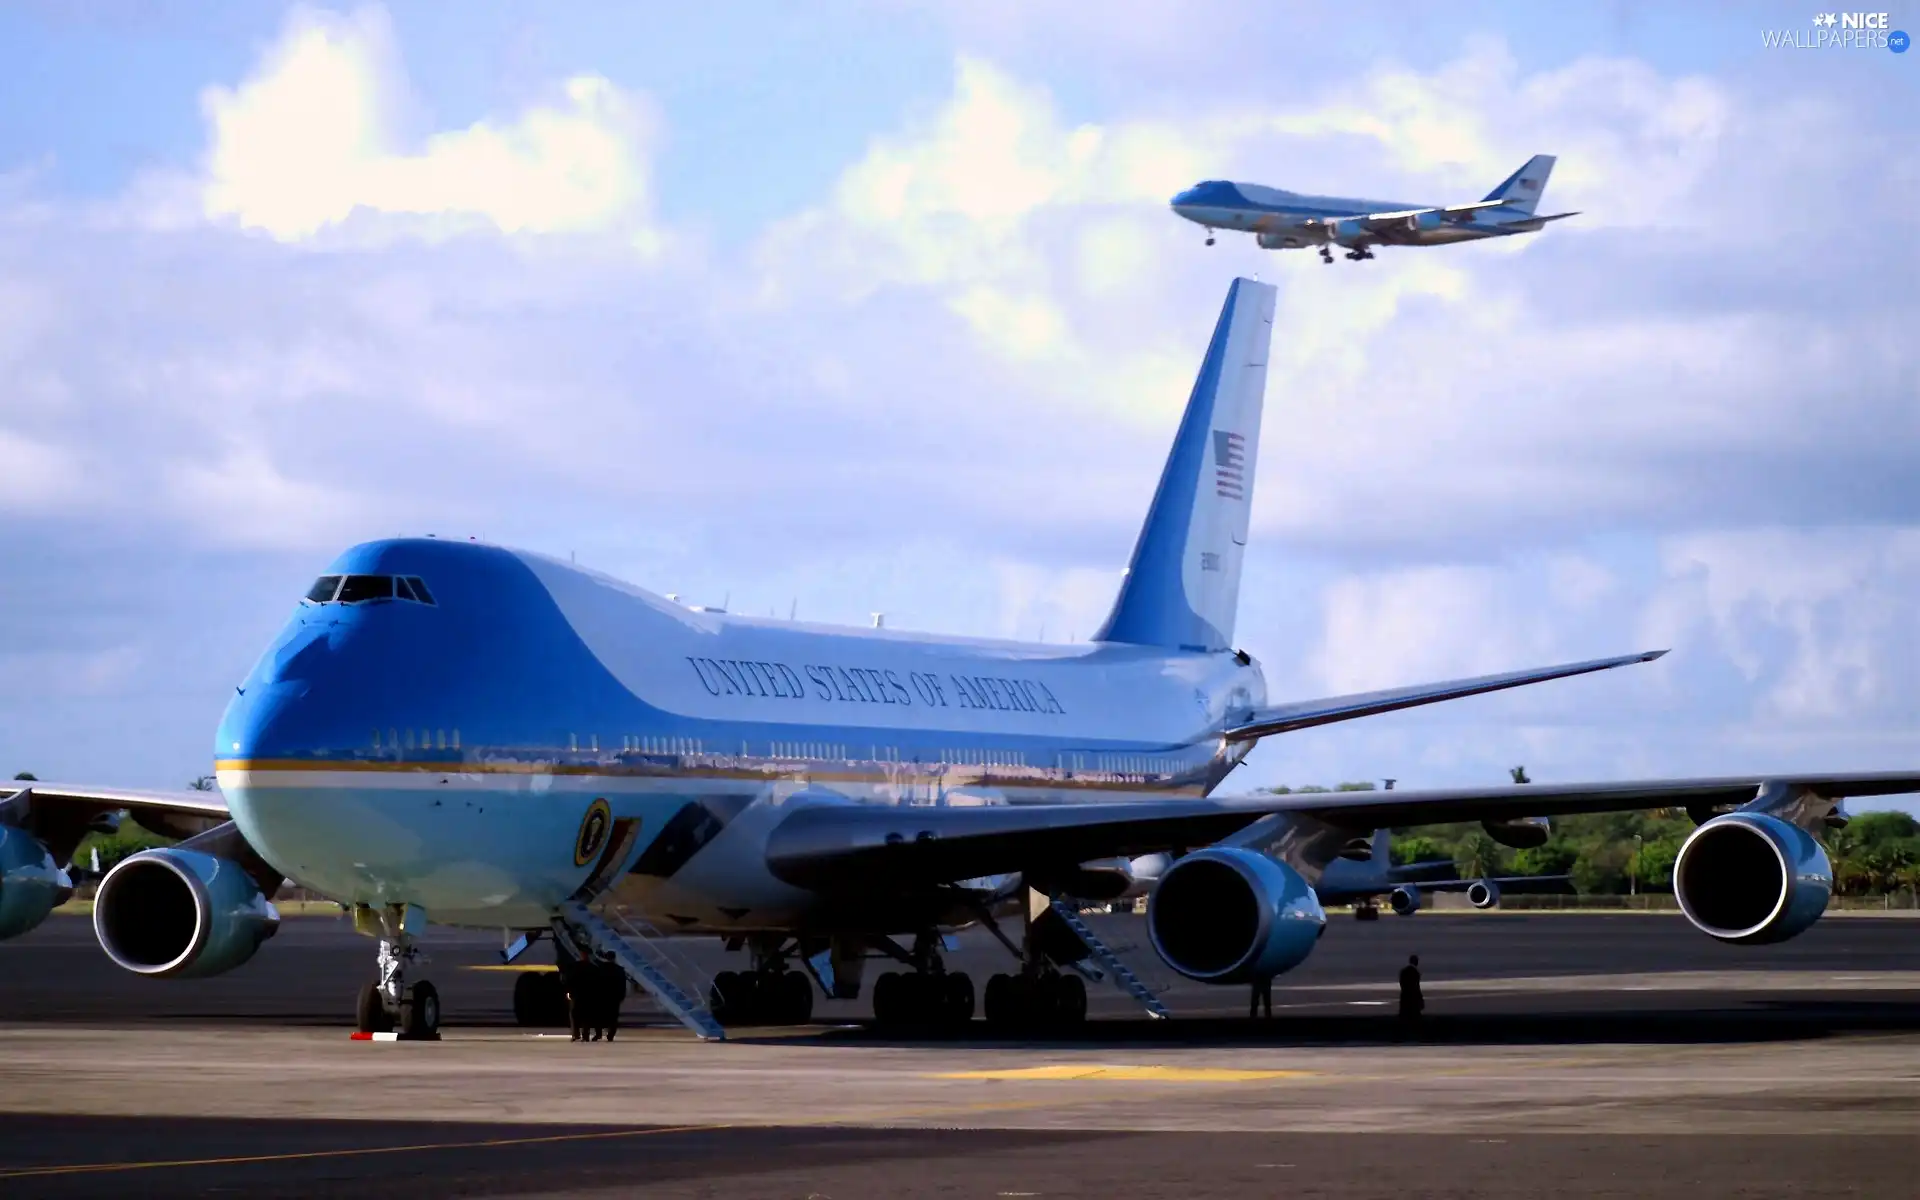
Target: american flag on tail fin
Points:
(1229, 465)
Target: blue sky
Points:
(878, 306)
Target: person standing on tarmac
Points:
(610, 991)
(1262, 994)
(1411, 1001)
(574, 979)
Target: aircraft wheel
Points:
(796, 997)
(370, 1013)
(1071, 999)
(887, 997)
(725, 998)
(957, 989)
(997, 1003)
(531, 1005)
(420, 1012)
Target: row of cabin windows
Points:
(1142, 764)
(658, 745)
(984, 758)
(358, 589)
(423, 739)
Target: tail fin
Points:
(1522, 189)
(1183, 582)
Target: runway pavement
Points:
(1582, 1056)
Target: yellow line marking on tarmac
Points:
(1133, 1074)
(353, 1151)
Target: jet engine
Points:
(1404, 900)
(1280, 241)
(1750, 877)
(31, 883)
(1421, 222)
(1224, 915)
(181, 913)
(1345, 232)
(1483, 893)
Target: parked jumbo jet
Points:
(459, 733)
(1290, 221)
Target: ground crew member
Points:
(574, 979)
(1262, 994)
(611, 993)
(1411, 1001)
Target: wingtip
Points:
(1650, 655)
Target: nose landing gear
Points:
(393, 1005)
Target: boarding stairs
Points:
(1110, 962)
(674, 983)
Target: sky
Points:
(878, 306)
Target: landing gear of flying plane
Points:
(1209, 237)
(770, 994)
(1326, 255)
(1358, 254)
(393, 1004)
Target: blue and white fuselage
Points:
(393, 751)
(1283, 220)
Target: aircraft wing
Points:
(1450, 213)
(829, 846)
(191, 803)
(1305, 714)
(59, 813)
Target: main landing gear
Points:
(1209, 237)
(929, 996)
(773, 993)
(1357, 254)
(395, 1005)
(1326, 255)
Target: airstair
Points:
(1121, 974)
(675, 984)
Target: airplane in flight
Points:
(1281, 220)
(458, 733)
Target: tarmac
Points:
(1580, 1055)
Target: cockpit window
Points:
(357, 588)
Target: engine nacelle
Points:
(1750, 877)
(31, 883)
(1345, 232)
(1483, 893)
(1224, 915)
(181, 913)
(1404, 900)
(1422, 222)
(1280, 241)
(1521, 833)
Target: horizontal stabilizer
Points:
(1305, 714)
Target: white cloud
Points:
(313, 136)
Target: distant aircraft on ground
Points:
(1290, 221)
(1360, 879)
(464, 734)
